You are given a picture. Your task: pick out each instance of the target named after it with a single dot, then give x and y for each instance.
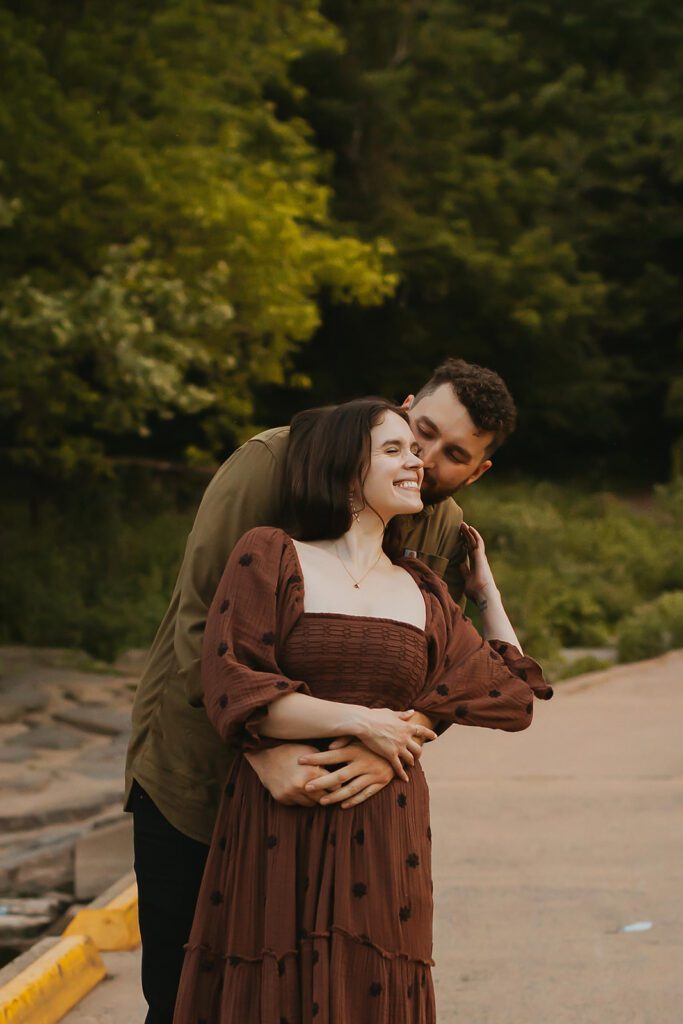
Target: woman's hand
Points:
(479, 580)
(362, 773)
(392, 735)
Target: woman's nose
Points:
(414, 461)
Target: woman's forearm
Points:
(299, 717)
(494, 620)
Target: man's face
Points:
(452, 448)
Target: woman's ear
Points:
(408, 401)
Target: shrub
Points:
(652, 628)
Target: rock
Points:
(18, 697)
(102, 856)
(24, 919)
(107, 721)
(48, 737)
(132, 663)
(40, 869)
(60, 804)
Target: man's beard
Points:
(431, 493)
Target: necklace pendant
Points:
(356, 587)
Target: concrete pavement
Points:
(546, 844)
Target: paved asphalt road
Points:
(546, 844)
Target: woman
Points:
(324, 915)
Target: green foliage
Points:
(171, 232)
(93, 569)
(94, 566)
(572, 567)
(524, 159)
(653, 628)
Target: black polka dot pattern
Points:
(461, 711)
(401, 800)
(222, 648)
(494, 693)
(359, 836)
(281, 970)
(223, 700)
(442, 690)
(429, 833)
(530, 707)
(246, 559)
(293, 580)
(222, 842)
(315, 956)
(404, 913)
(281, 685)
(412, 860)
(375, 989)
(521, 672)
(216, 897)
(301, 688)
(271, 842)
(359, 890)
(503, 648)
(206, 966)
(230, 789)
(268, 639)
(315, 1010)
(224, 606)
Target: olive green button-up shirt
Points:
(174, 752)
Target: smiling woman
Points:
(326, 635)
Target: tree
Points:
(524, 161)
(174, 232)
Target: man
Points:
(176, 764)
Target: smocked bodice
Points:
(357, 659)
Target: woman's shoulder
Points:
(267, 542)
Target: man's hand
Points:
(280, 771)
(362, 775)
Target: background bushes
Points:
(94, 567)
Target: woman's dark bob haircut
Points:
(327, 460)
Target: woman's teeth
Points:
(407, 485)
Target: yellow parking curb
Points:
(112, 921)
(49, 987)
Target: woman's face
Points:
(392, 484)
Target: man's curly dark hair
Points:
(482, 392)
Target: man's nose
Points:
(427, 453)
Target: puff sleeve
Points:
(472, 681)
(252, 612)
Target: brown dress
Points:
(324, 916)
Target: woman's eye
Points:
(391, 451)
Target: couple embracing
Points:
(313, 644)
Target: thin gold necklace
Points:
(357, 583)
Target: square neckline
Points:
(422, 630)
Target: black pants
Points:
(169, 868)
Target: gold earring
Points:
(354, 510)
